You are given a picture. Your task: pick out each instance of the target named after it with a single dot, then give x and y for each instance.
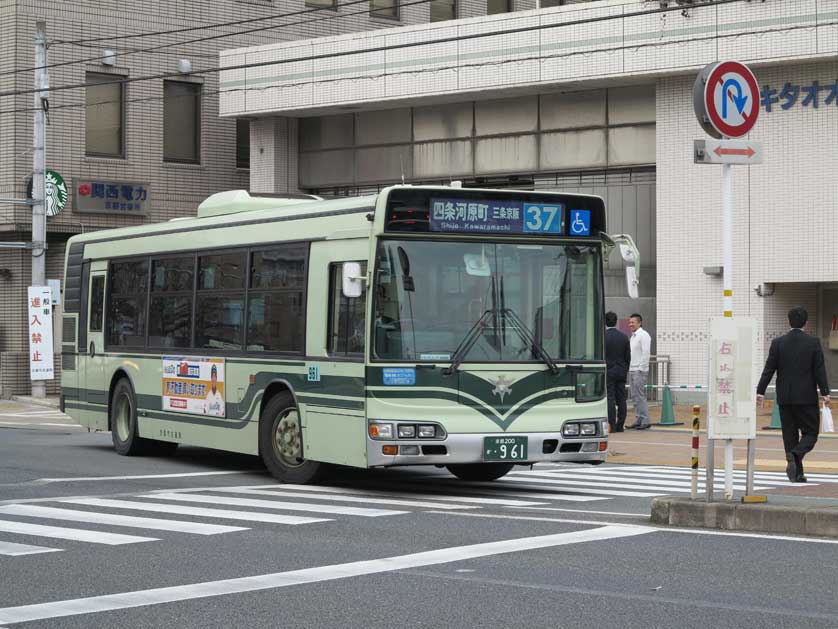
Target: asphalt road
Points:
(207, 539)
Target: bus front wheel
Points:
(480, 471)
(281, 442)
(126, 438)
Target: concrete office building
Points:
(592, 97)
(162, 137)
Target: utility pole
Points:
(39, 218)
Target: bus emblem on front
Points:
(502, 387)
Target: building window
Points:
(181, 122)
(127, 305)
(104, 115)
(442, 10)
(346, 316)
(546, 4)
(494, 7)
(322, 4)
(276, 300)
(242, 143)
(385, 8)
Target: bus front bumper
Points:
(459, 449)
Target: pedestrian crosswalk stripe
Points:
(640, 483)
(73, 515)
(538, 483)
(259, 490)
(637, 476)
(543, 493)
(11, 549)
(78, 535)
(762, 475)
(587, 487)
(276, 504)
(221, 514)
(444, 497)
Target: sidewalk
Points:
(50, 401)
(672, 446)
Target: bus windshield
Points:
(430, 296)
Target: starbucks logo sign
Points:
(55, 193)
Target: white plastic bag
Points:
(826, 420)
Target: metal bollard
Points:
(694, 462)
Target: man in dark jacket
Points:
(617, 360)
(797, 358)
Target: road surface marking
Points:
(126, 600)
(625, 481)
(659, 529)
(629, 473)
(222, 514)
(492, 491)
(619, 513)
(274, 504)
(16, 550)
(340, 498)
(91, 517)
(587, 489)
(75, 479)
(40, 424)
(444, 497)
(78, 535)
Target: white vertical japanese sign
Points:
(732, 397)
(40, 333)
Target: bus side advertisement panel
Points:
(193, 385)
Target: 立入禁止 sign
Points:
(194, 385)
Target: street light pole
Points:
(39, 219)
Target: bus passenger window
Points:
(347, 326)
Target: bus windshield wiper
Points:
(467, 343)
(527, 336)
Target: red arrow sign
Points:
(748, 152)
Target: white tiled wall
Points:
(785, 217)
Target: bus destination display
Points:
(496, 217)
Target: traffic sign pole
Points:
(726, 103)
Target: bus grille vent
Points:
(68, 362)
(68, 330)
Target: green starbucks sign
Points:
(55, 193)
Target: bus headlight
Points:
(407, 431)
(379, 430)
(427, 431)
(588, 430)
(570, 430)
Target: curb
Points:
(734, 516)
(49, 402)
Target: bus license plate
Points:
(504, 448)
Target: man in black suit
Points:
(617, 360)
(797, 358)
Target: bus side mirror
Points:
(630, 256)
(352, 280)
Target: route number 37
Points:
(542, 219)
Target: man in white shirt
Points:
(641, 347)
(214, 402)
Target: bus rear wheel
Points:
(480, 471)
(281, 442)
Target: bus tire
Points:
(480, 471)
(281, 442)
(126, 437)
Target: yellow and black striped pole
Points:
(694, 462)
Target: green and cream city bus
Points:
(419, 326)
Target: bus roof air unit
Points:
(236, 201)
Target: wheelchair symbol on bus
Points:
(580, 224)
